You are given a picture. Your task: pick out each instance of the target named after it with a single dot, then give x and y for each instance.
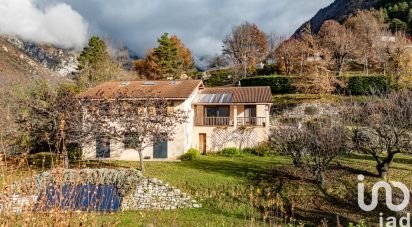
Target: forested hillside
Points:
(398, 12)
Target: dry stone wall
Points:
(153, 194)
(296, 115)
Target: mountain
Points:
(61, 61)
(340, 10)
(22, 60)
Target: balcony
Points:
(214, 121)
(227, 121)
(251, 121)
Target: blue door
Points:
(160, 150)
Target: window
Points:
(217, 111)
(250, 116)
(250, 111)
(102, 147)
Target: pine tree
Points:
(95, 65)
(166, 56)
(169, 59)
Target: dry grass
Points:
(17, 178)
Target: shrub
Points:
(364, 85)
(262, 149)
(219, 78)
(278, 84)
(249, 151)
(74, 152)
(267, 70)
(191, 154)
(231, 152)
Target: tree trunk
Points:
(297, 159)
(66, 161)
(383, 167)
(341, 63)
(320, 178)
(141, 160)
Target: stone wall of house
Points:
(299, 114)
(153, 194)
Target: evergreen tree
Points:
(166, 56)
(169, 59)
(95, 65)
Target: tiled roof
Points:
(180, 89)
(235, 95)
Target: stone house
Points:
(217, 118)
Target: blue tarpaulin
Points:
(88, 197)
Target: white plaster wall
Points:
(218, 138)
(182, 139)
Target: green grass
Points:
(236, 191)
(223, 186)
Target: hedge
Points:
(356, 85)
(278, 84)
(364, 85)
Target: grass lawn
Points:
(244, 191)
(235, 191)
(294, 99)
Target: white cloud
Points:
(201, 24)
(57, 24)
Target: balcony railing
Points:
(214, 121)
(251, 121)
(227, 121)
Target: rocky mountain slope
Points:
(339, 10)
(21, 60)
(61, 61)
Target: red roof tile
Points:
(180, 89)
(243, 94)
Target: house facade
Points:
(217, 118)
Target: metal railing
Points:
(214, 121)
(251, 121)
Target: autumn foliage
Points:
(170, 59)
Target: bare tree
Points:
(369, 26)
(273, 42)
(218, 61)
(325, 144)
(399, 56)
(340, 41)
(382, 127)
(138, 123)
(51, 116)
(290, 141)
(312, 146)
(289, 55)
(246, 46)
(314, 74)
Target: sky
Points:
(201, 24)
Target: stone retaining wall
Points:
(302, 113)
(153, 194)
(138, 192)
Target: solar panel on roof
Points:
(214, 98)
(149, 83)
